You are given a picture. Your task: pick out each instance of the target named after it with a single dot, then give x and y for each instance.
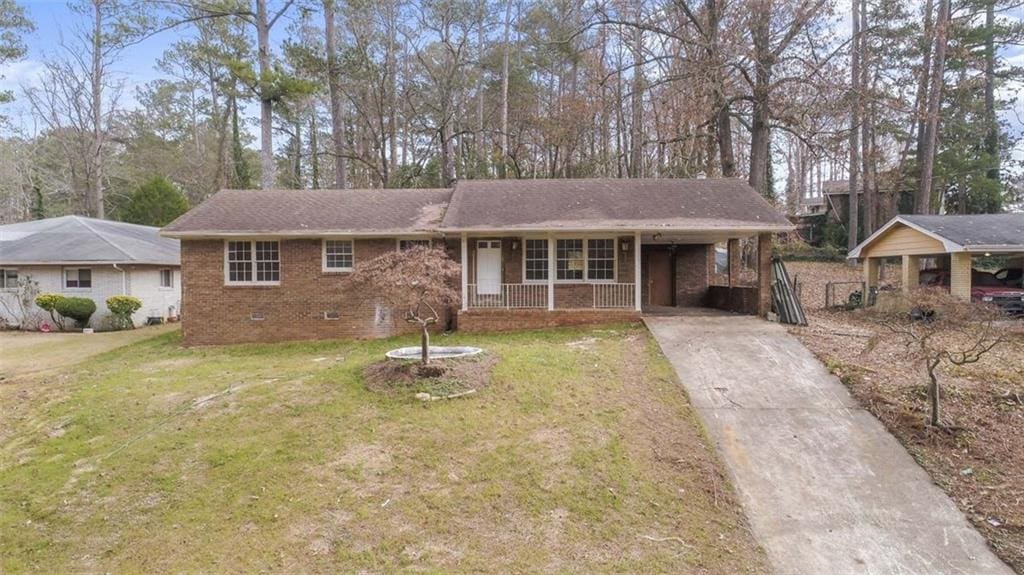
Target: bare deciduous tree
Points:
(937, 328)
(419, 280)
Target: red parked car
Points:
(985, 287)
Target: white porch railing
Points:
(508, 296)
(614, 295)
(535, 296)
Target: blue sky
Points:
(137, 65)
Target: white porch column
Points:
(465, 273)
(551, 272)
(636, 272)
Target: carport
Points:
(960, 239)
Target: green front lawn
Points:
(582, 455)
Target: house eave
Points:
(15, 263)
(295, 234)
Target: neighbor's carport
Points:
(912, 237)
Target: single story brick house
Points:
(271, 265)
(86, 257)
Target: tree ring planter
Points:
(435, 352)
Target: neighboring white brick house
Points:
(89, 258)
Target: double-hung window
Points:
(77, 278)
(576, 260)
(166, 278)
(8, 278)
(253, 262)
(601, 259)
(570, 260)
(338, 255)
(535, 256)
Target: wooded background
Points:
(788, 94)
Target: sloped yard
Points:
(582, 454)
(980, 464)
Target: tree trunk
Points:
(392, 94)
(867, 153)
(506, 49)
(760, 131)
(97, 208)
(424, 344)
(923, 204)
(992, 132)
(853, 203)
(921, 98)
(314, 150)
(933, 393)
(334, 91)
(636, 159)
(267, 167)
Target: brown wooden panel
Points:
(659, 278)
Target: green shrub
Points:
(157, 202)
(48, 302)
(79, 309)
(122, 307)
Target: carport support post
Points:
(551, 273)
(465, 273)
(911, 268)
(764, 274)
(636, 272)
(870, 274)
(734, 261)
(960, 275)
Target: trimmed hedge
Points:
(79, 309)
(122, 307)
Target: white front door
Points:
(488, 267)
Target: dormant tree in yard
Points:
(938, 329)
(419, 280)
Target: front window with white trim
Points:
(601, 259)
(570, 260)
(536, 260)
(581, 260)
(253, 262)
(8, 278)
(77, 278)
(167, 278)
(338, 255)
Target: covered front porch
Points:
(600, 272)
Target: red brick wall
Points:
(691, 274)
(475, 321)
(213, 313)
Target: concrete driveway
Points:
(826, 487)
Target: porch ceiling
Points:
(657, 238)
(708, 237)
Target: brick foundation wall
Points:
(476, 321)
(213, 313)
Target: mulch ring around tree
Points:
(441, 379)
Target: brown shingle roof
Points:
(296, 212)
(609, 204)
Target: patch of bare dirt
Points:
(441, 378)
(979, 462)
